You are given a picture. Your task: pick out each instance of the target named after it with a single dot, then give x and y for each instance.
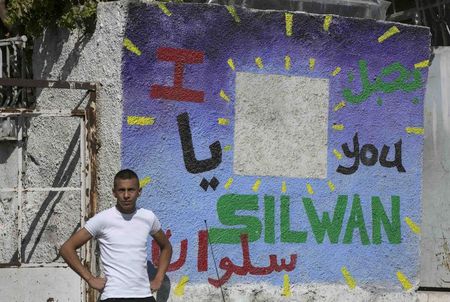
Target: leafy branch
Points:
(31, 17)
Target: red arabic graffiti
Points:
(174, 265)
(202, 256)
(247, 266)
(177, 91)
(225, 263)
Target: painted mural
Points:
(282, 147)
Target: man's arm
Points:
(164, 259)
(69, 254)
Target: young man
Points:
(122, 232)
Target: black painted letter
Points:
(350, 154)
(397, 162)
(372, 160)
(190, 161)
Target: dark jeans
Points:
(148, 299)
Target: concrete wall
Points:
(39, 284)
(53, 158)
(435, 256)
(151, 130)
(8, 200)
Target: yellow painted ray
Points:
(404, 281)
(312, 63)
(415, 130)
(228, 183)
(389, 33)
(331, 185)
(224, 96)
(131, 47)
(337, 154)
(256, 185)
(144, 181)
(338, 127)
(164, 9)
(422, 64)
(140, 120)
(259, 62)
(223, 121)
(414, 227)
(336, 71)
(286, 286)
(348, 278)
(179, 288)
(231, 64)
(227, 148)
(283, 187)
(233, 12)
(340, 105)
(309, 188)
(287, 62)
(289, 18)
(327, 22)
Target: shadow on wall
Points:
(50, 50)
(164, 292)
(62, 178)
(7, 148)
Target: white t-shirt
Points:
(123, 250)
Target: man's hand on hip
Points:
(97, 283)
(155, 284)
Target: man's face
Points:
(126, 191)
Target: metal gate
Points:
(36, 223)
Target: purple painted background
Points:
(175, 195)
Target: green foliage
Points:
(31, 17)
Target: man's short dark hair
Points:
(125, 174)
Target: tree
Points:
(31, 17)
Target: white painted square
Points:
(281, 125)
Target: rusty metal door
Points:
(47, 192)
